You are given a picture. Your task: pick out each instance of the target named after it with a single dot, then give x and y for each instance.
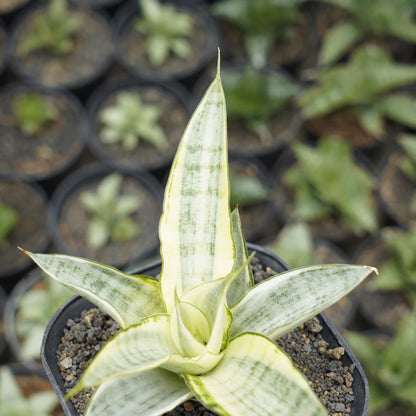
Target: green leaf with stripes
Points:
(195, 227)
(281, 303)
(151, 393)
(126, 298)
(245, 279)
(255, 378)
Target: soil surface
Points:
(172, 120)
(332, 382)
(48, 151)
(90, 55)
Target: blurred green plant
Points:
(255, 96)
(246, 189)
(166, 31)
(391, 368)
(14, 403)
(408, 161)
(34, 309)
(33, 112)
(110, 212)
(363, 85)
(130, 120)
(367, 18)
(52, 30)
(399, 269)
(9, 218)
(262, 22)
(328, 182)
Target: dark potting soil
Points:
(329, 378)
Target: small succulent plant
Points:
(52, 30)
(364, 85)
(8, 221)
(203, 329)
(263, 23)
(33, 112)
(166, 29)
(255, 96)
(327, 181)
(34, 309)
(368, 18)
(391, 368)
(14, 403)
(110, 212)
(129, 121)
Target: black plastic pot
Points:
(78, 69)
(64, 201)
(173, 101)
(137, 64)
(49, 153)
(74, 306)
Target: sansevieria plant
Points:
(203, 330)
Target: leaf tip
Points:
(372, 270)
(218, 63)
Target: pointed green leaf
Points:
(151, 393)
(283, 302)
(400, 108)
(338, 41)
(255, 378)
(137, 349)
(195, 227)
(245, 280)
(126, 298)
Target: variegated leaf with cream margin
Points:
(204, 330)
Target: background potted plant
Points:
(189, 332)
(57, 45)
(165, 40)
(265, 32)
(352, 100)
(314, 188)
(367, 20)
(107, 215)
(30, 306)
(43, 131)
(137, 124)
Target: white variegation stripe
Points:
(255, 378)
(195, 227)
(126, 298)
(283, 302)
